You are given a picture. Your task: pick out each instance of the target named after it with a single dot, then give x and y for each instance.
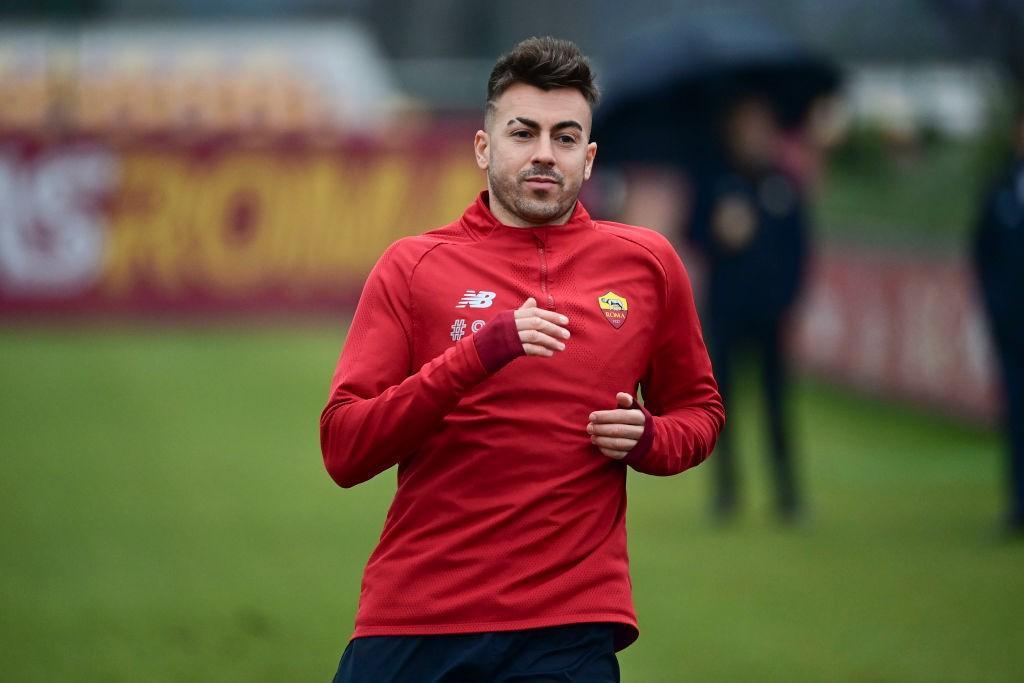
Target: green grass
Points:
(165, 517)
(928, 199)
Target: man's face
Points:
(753, 135)
(537, 153)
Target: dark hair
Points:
(546, 63)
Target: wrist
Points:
(643, 445)
(498, 342)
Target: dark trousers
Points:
(578, 653)
(1011, 365)
(727, 339)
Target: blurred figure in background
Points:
(999, 262)
(749, 224)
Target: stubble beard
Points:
(515, 199)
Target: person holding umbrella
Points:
(715, 99)
(749, 223)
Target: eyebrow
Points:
(530, 123)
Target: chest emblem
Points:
(614, 308)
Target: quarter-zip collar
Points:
(481, 224)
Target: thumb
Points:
(529, 303)
(624, 400)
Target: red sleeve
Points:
(378, 412)
(683, 410)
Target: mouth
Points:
(541, 182)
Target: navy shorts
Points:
(577, 653)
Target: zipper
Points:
(550, 303)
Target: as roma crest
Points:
(614, 308)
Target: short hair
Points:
(546, 63)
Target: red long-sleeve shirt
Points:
(506, 516)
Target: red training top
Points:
(506, 517)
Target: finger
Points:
(612, 443)
(618, 430)
(620, 416)
(542, 325)
(624, 400)
(550, 316)
(529, 303)
(534, 350)
(617, 455)
(540, 339)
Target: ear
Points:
(591, 153)
(481, 146)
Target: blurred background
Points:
(191, 194)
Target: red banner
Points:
(93, 225)
(901, 327)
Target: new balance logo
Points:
(475, 299)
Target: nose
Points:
(543, 152)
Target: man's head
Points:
(535, 145)
(752, 133)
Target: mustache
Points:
(542, 172)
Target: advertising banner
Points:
(900, 326)
(91, 225)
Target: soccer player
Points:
(496, 361)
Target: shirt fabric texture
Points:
(506, 516)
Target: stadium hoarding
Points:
(167, 224)
(899, 326)
(149, 77)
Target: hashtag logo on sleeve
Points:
(458, 329)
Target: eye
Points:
(522, 134)
(567, 139)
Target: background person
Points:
(749, 223)
(998, 252)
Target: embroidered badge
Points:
(614, 308)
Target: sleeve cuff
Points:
(643, 446)
(498, 343)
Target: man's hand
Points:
(540, 330)
(616, 432)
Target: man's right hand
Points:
(541, 331)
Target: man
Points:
(999, 262)
(495, 361)
(749, 224)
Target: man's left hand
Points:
(616, 432)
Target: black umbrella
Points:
(667, 89)
(993, 28)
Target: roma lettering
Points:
(241, 223)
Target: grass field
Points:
(166, 517)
